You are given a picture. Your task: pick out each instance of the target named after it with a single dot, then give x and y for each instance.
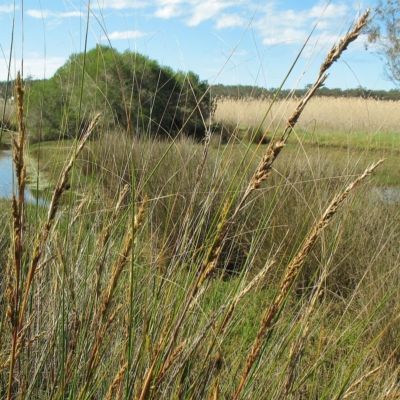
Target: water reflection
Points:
(390, 195)
(6, 179)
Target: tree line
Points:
(243, 91)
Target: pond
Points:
(389, 195)
(6, 179)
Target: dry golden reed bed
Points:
(321, 114)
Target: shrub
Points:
(130, 90)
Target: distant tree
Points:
(262, 93)
(128, 89)
(384, 33)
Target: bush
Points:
(130, 90)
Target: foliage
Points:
(254, 92)
(384, 33)
(130, 90)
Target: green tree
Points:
(129, 90)
(384, 33)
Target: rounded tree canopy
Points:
(130, 91)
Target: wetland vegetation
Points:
(239, 258)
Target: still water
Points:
(6, 178)
(389, 195)
(385, 195)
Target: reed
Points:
(291, 274)
(366, 119)
(176, 269)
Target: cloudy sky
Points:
(248, 42)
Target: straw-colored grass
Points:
(323, 114)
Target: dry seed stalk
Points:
(199, 172)
(167, 365)
(100, 337)
(120, 263)
(122, 260)
(350, 392)
(211, 261)
(95, 356)
(104, 237)
(42, 238)
(20, 347)
(200, 167)
(116, 382)
(14, 280)
(18, 150)
(332, 56)
(17, 308)
(139, 217)
(146, 385)
(274, 149)
(292, 272)
(216, 366)
(262, 172)
(246, 290)
(17, 204)
(338, 49)
(209, 326)
(207, 267)
(64, 175)
(298, 346)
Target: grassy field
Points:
(374, 119)
(345, 130)
(182, 270)
(342, 308)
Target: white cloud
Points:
(206, 10)
(291, 18)
(168, 11)
(286, 36)
(47, 13)
(331, 11)
(197, 11)
(8, 9)
(229, 21)
(119, 4)
(240, 53)
(39, 13)
(34, 65)
(293, 27)
(174, 2)
(69, 14)
(116, 35)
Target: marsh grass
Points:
(178, 269)
(343, 116)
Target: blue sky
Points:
(224, 41)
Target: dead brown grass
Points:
(321, 114)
